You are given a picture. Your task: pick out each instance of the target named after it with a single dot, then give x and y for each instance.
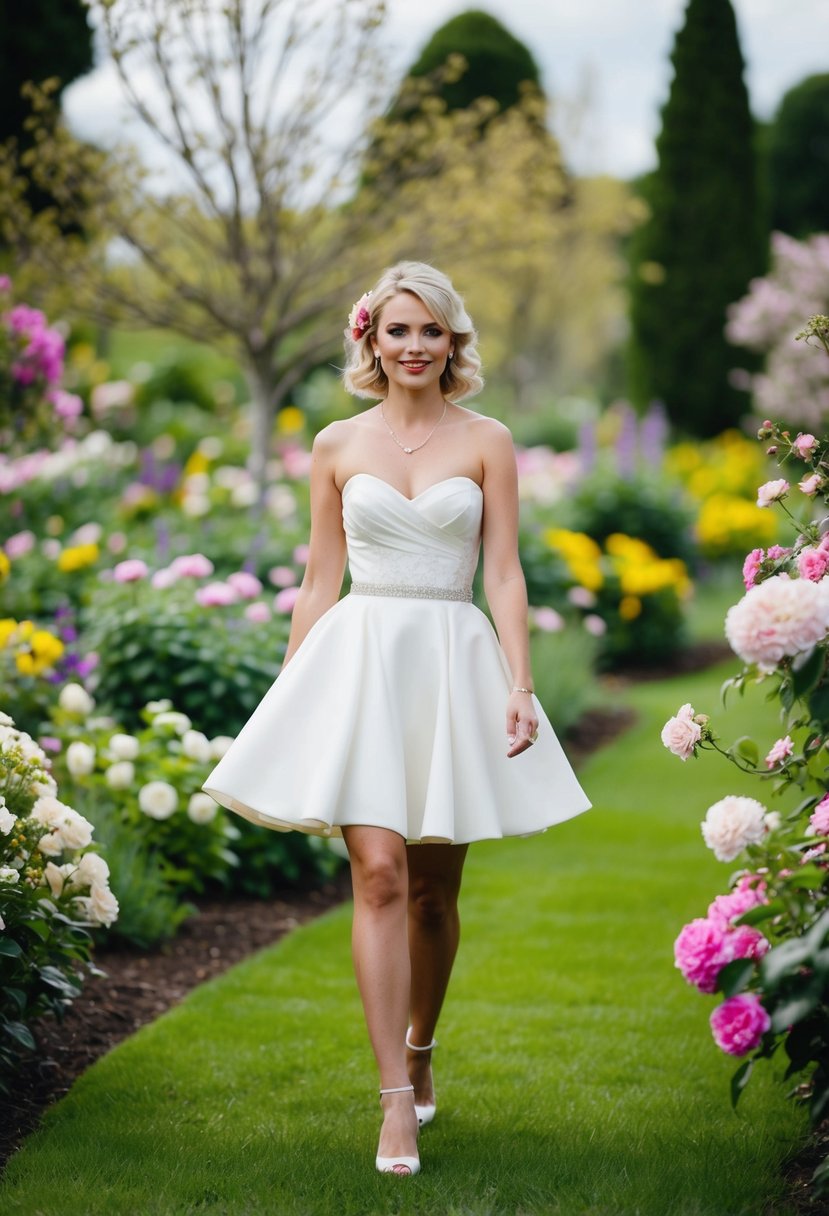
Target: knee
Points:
(432, 904)
(381, 882)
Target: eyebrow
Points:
(426, 324)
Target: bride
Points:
(400, 721)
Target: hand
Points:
(522, 723)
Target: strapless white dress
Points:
(392, 710)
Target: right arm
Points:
(321, 584)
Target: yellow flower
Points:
(5, 567)
(290, 420)
(7, 627)
(581, 555)
(196, 462)
(78, 556)
(630, 606)
(729, 524)
(44, 650)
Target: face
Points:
(412, 346)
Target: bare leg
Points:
(435, 872)
(381, 964)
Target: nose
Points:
(414, 345)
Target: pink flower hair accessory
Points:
(359, 319)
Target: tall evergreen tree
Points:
(39, 39)
(705, 237)
(798, 159)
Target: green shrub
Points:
(563, 666)
(647, 508)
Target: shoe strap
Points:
(412, 1047)
(401, 1089)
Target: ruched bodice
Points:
(431, 540)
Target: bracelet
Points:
(529, 690)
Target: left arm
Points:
(504, 584)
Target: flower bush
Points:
(765, 945)
(54, 889)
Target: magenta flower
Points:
(804, 445)
(819, 819)
(744, 941)
(216, 595)
(751, 566)
(5, 283)
(700, 953)
(776, 552)
(284, 600)
(772, 491)
(130, 571)
(725, 909)
(739, 1024)
(812, 563)
(782, 749)
(67, 405)
(248, 585)
(50, 743)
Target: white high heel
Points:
(386, 1164)
(426, 1112)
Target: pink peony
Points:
(781, 749)
(548, 620)
(216, 595)
(246, 584)
(681, 734)
(282, 576)
(192, 565)
(733, 823)
(164, 578)
(300, 554)
(258, 611)
(727, 908)
(819, 819)
(804, 445)
(812, 563)
(810, 485)
(130, 571)
(595, 624)
(776, 552)
(772, 491)
(744, 941)
(20, 544)
(284, 600)
(778, 618)
(751, 566)
(739, 1024)
(67, 405)
(700, 953)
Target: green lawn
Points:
(576, 1072)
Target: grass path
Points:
(576, 1072)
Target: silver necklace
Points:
(403, 446)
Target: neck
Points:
(409, 408)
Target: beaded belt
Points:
(415, 593)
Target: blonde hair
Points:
(364, 377)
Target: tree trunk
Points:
(259, 376)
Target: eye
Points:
(434, 332)
(395, 330)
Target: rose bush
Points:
(765, 945)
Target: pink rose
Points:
(284, 600)
(751, 566)
(812, 563)
(164, 578)
(810, 485)
(739, 1024)
(772, 491)
(700, 953)
(548, 620)
(819, 819)
(246, 584)
(258, 611)
(781, 749)
(776, 552)
(681, 734)
(192, 565)
(282, 576)
(595, 624)
(130, 571)
(216, 595)
(804, 445)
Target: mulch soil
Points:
(138, 986)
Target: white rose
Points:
(48, 786)
(681, 734)
(219, 745)
(103, 905)
(75, 832)
(5, 720)
(93, 870)
(7, 820)
(55, 877)
(8, 874)
(158, 799)
(51, 844)
(179, 722)
(48, 810)
(104, 722)
(80, 758)
(159, 707)
(202, 808)
(124, 747)
(773, 821)
(731, 824)
(121, 775)
(75, 699)
(195, 745)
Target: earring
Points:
(451, 353)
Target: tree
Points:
(798, 159)
(39, 40)
(705, 237)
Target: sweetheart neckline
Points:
(405, 497)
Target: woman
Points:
(385, 725)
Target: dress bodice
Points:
(431, 540)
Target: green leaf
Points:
(734, 976)
(756, 916)
(10, 947)
(794, 1010)
(806, 678)
(740, 1080)
(18, 996)
(782, 961)
(819, 704)
(21, 1033)
(746, 749)
(807, 878)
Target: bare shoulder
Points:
(493, 440)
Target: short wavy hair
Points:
(364, 377)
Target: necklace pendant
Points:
(408, 451)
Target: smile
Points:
(416, 365)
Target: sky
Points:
(604, 63)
